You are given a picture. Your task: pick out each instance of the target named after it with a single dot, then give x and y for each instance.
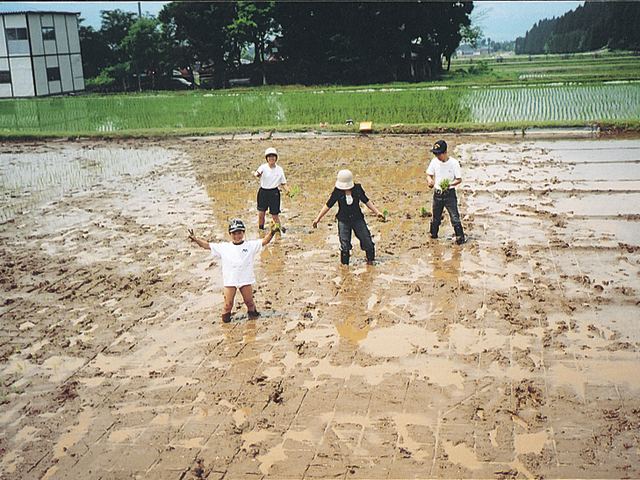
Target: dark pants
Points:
(269, 199)
(448, 200)
(359, 227)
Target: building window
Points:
(16, 33)
(53, 74)
(5, 76)
(48, 33)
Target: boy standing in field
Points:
(271, 178)
(443, 173)
(237, 259)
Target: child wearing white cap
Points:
(237, 259)
(348, 196)
(271, 178)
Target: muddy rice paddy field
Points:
(516, 355)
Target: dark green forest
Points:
(594, 26)
(291, 43)
(224, 44)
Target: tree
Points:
(471, 35)
(253, 24)
(590, 27)
(115, 26)
(142, 47)
(200, 29)
(102, 54)
(456, 16)
(95, 51)
(358, 42)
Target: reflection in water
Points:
(446, 262)
(353, 299)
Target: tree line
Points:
(596, 25)
(308, 43)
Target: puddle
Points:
(530, 442)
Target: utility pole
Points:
(139, 10)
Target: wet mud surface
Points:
(515, 355)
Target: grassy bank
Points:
(516, 93)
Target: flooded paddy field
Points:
(516, 355)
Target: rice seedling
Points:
(294, 191)
(558, 103)
(30, 180)
(132, 112)
(444, 184)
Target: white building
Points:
(39, 54)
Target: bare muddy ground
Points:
(513, 356)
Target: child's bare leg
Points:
(261, 219)
(247, 296)
(229, 294)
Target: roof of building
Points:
(8, 10)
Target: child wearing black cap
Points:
(444, 173)
(237, 259)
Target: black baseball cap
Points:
(236, 226)
(439, 147)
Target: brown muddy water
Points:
(515, 355)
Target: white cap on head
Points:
(345, 180)
(270, 151)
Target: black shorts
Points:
(269, 199)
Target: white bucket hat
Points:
(270, 151)
(345, 180)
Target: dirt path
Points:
(513, 356)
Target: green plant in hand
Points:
(275, 228)
(444, 184)
(294, 191)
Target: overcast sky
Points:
(499, 20)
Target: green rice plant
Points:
(559, 103)
(294, 191)
(424, 212)
(257, 108)
(444, 184)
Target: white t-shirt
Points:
(449, 169)
(237, 261)
(271, 177)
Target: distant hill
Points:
(596, 25)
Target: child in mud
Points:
(271, 178)
(443, 173)
(237, 265)
(350, 218)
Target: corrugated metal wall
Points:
(39, 54)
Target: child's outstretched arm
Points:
(322, 213)
(373, 208)
(267, 238)
(202, 243)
